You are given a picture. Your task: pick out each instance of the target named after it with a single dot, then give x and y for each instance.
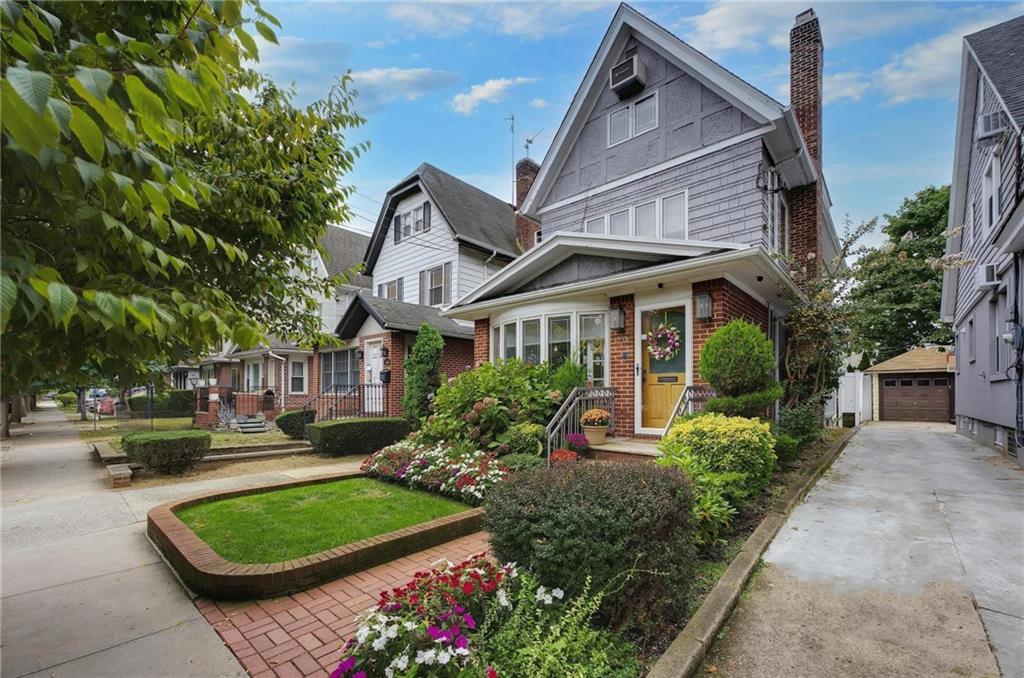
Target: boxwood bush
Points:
(786, 447)
(803, 421)
(523, 438)
(626, 526)
(67, 399)
(355, 436)
(172, 403)
(171, 452)
(293, 422)
(738, 360)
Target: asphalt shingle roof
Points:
(397, 315)
(918, 360)
(344, 251)
(1000, 51)
(473, 213)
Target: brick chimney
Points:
(526, 229)
(806, 55)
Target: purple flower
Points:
(359, 674)
(346, 665)
(435, 632)
(470, 622)
(462, 642)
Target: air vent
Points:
(991, 126)
(627, 77)
(986, 277)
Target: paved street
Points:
(84, 592)
(906, 559)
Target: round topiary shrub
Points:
(625, 526)
(737, 359)
(170, 452)
(730, 445)
(293, 422)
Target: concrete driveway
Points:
(906, 559)
(84, 592)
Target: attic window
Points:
(633, 120)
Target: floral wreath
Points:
(663, 342)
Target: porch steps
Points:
(253, 424)
(626, 449)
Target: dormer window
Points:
(412, 221)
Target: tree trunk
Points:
(5, 425)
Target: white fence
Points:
(853, 398)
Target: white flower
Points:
(379, 643)
(426, 656)
(409, 626)
(443, 657)
(503, 598)
(362, 634)
(392, 631)
(558, 593)
(464, 651)
(399, 663)
(541, 592)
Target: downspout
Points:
(1018, 348)
(488, 260)
(284, 363)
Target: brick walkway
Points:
(301, 635)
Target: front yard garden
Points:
(286, 524)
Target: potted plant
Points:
(595, 424)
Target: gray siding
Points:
(724, 203)
(981, 393)
(690, 117)
(581, 267)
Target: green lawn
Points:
(286, 524)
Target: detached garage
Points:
(915, 386)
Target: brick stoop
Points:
(207, 573)
(302, 634)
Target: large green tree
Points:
(158, 196)
(898, 286)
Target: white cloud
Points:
(528, 19)
(381, 43)
(440, 19)
(379, 86)
(538, 103)
(850, 85)
(491, 91)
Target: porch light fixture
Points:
(194, 381)
(359, 354)
(617, 321)
(384, 351)
(704, 306)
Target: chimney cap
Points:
(805, 16)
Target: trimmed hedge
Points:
(171, 452)
(293, 422)
(355, 436)
(754, 404)
(173, 403)
(737, 359)
(627, 527)
(523, 438)
(523, 462)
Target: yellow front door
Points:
(664, 376)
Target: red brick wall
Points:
(481, 341)
(805, 202)
(459, 356)
(728, 302)
(526, 229)
(621, 370)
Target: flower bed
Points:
(455, 470)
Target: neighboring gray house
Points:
(658, 213)
(982, 299)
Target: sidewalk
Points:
(84, 592)
(904, 560)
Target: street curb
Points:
(684, 656)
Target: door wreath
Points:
(663, 343)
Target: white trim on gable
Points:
(626, 22)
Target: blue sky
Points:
(437, 81)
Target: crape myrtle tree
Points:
(898, 286)
(158, 196)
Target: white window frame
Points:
(546, 330)
(606, 338)
(249, 386)
(292, 376)
(990, 189)
(685, 193)
(971, 341)
(430, 285)
(634, 221)
(387, 290)
(630, 110)
(521, 337)
(629, 221)
(504, 338)
(417, 219)
(496, 349)
(604, 224)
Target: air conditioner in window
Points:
(628, 77)
(991, 126)
(986, 277)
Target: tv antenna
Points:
(529, 141)
(511, 119)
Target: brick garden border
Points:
(683, 657)
(209, 574)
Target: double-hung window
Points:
(509, 337)
(339, 371)
(415, 220)
(298, 376)
(496, 343)
(618, 126)
(559, 339)
(673, 217)
(645, 114)
(390, 290)
(592, 346)
(645, 217)
(531, 341)
(435, 285)
(254, 377)
(618, 223)
(633, 119)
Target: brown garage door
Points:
(915, 397)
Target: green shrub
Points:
(567, 376)
(293, 422)
(738, 359)
(523, 462)
(171, 452)
(712, 510)
(540, 635)
(422, 373)
(627, 526)
(67, 399)
(172, 403)
(755, 404)
(480, 405)
(786, 447)
(525, 438)
(355, 436)
(803, 422)
(732, 445)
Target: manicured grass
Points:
(285, 524)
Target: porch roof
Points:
(397, 316)
(751, 267)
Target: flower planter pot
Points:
(596, 435)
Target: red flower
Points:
(491, 673)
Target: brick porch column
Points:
(481, 341)
(621, 361)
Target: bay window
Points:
(509, 334)
(495, 344)
(559, 338)
(592, 346)
(531, 341)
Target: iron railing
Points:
(342, 402)
(567, 419)
(693, 399)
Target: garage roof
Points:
(918, 360)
